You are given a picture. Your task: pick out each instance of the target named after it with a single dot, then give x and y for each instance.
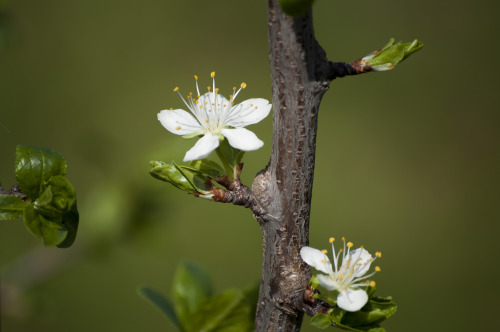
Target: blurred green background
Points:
(407, 160)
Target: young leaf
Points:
(321, 321)
(226, 312)
(56, 199)
(230, 156)
(35, 166)
(191, 287)
(51, 232)
(208, 167)
(160, 302)
(70, 223)
(374, 312)
(11, 207)
(181, 179)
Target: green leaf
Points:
(183, 179)
(70, 223)
(295, 7)
(226, 312)
(229, 156)
(321, 321)
(56, 199)
(11, 207)
(160, 302)
(392, 54)
(208, 167)
(191, 287)
(51, 232)
(375, 311)
(35, 166)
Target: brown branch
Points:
(300, 74)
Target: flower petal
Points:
(178, 122)
(352, 299)
(326, 282)
(242, 139)
(248, 112)
(361, 259)
(203, 147)
(317, 259)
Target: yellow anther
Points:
(188, 96)
(362, 246)
(331, 239)
(341, 276)
(217, 90)
(372, 284)
(212, 74)
(343, 238)
(206, 121)
(256, 107)
(378, 254)
(324, 251)
(178, 127)
(195, 77)
(234, 88)
(225, 105)
(341, 250)
(251, 104)
(243, 85)
(230, 97)
(349, 244)
(190, 93)
(201, 107)
(197, 102)
(323, 261)
(171, 108)
(208, 88)
(377, 269)
(176, 89)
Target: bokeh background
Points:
(407, 160)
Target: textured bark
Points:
(300, 75)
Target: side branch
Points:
(236, 193)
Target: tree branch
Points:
(300, 76)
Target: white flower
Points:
(215, 117)
(347, 278)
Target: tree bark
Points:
(300, 76)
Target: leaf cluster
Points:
(194, 307)
(368, 318)
(47, 201)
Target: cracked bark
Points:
(300, 75)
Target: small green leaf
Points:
(56, 199)
(208, 167)
(321, 321)
(226, 312)
(374, 312)
(70, 223)
(295, 7)
(191, 287)
(392, 54)
(11, 207)
(51, 232)
(229, 156)
(160, 302)
(182, 179)
(35, 166)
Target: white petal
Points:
(242, 139)
(361, 259)
(203, 147)
(326, 282)
(178, 122)
(352, 299)
(317, 259)
(248, 112)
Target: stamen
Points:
(176, 89)
(243, 85)
(171, 108)
(377, 269)
(178, 127)
(372, 283)
(324, 251)
(212, 74)
(323, 261)
(331, 239)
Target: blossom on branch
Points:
(215, 118)
(347, 275)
